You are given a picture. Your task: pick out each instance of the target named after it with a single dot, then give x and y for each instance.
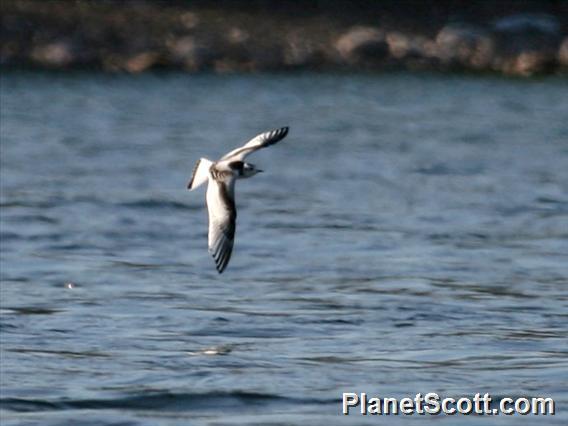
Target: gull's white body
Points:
(221, 177)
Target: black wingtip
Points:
(218, 265)
(221, 259)
(277, 135)
(221, 267)
(190, 183)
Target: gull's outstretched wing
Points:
(200, 173)
(222, 217)
(261, 141)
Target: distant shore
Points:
(133, 37)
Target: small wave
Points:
(25, 218)
(10, 236)
(160, 401)
(441, 169)
(330, 321)
(70, 247)
(135, 265)
(30, 204)
(63, 354)
(324, 226)
(549, 200)
(159, 204)
(30, 310)
(7, 327)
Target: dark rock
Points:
(135, 36)
(131, 63)
(10, 52)
(363, 46)
(237, 36)
(529, 63)
(563, 53)
(53, 55)
(303, 51)
(189, 20)
(526, 44)
(268, 57)
(404, 45)
(141, 62)
(411, 51)
(191, 53)
(235, 51)
(464, 45)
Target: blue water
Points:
(409, 235)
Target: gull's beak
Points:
(259, 171)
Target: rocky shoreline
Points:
(134, 37)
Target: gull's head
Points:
(250, 170)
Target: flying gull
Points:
(221, 176)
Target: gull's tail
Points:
(200, 173)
